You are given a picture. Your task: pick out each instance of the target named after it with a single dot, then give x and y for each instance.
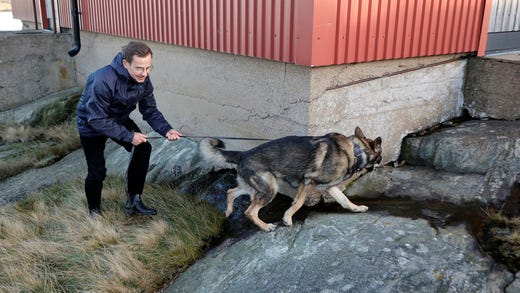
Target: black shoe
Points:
(134, 206)
(95, 212)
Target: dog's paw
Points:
(270, 227)
(228, 213)
(287, 222)
(360, 209)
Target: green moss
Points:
(55, 113)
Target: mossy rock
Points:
(56, 112)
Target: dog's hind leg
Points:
(298, 202)
(252, 214)
(232, 194)
(340, 198)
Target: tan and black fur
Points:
(306, 163)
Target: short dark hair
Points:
(135, 48)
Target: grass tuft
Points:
(49, 242)
(502, 239)
(49, 135)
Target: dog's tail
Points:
(212, 149)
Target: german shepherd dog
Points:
(305, 163)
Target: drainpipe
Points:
(35, 15)
(75, 28)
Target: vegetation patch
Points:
(49, 242)
(49, 135)
(501, 238)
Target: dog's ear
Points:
(378, 141)
(376, 144)
(358, 133)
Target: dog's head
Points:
(371, 148)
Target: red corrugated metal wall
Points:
(366, 30)
(258, 28)
(24, 9)
(305, 32)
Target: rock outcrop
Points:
(344, 252)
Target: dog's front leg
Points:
(342, 199)
(298, 202)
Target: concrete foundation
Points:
(208, 93)
(34, 64)
(492, 89)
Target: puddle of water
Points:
(439, 214)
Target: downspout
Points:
(74, 13)
(35, 15)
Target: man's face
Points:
(139, 68)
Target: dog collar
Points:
(358, 153)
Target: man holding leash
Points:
(110, 95)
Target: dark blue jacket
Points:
(109, 97)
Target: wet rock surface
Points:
(336, 252)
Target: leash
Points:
(217, 137)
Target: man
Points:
(110, 95)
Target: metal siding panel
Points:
(24, 9)
(341, 25)
(449, 32)
(441, 26)
(63, 12)
(409, 27)
(417, 26)
(307, 32)
(352, 31)
(463, 27)
(505, 16)
(381, 30)
(372, 43)
(390, 31)
(277, 30)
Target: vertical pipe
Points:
(54, 19)
(35, 15)
(75, 28)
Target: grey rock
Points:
(471, 147)
(170, 161)
(515, 286)
(24, 112)
(419, 183)
(490, 148)
(348, 252)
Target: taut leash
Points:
(217, 137)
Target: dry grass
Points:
(24, 147)
(49, 243)
(502, 239)
(47, 136)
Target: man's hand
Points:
(173, 135)
(139, 138)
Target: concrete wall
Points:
(34, 64)
(207, 93)
(388, 98)
(492, 87)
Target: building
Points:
(271, 68)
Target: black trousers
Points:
(94, 149)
